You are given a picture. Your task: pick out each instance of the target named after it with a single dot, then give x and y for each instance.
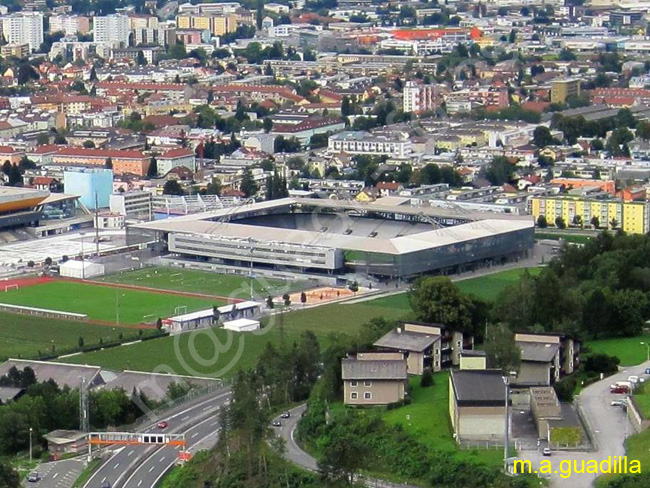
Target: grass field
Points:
(174, 351)
(194, 281)
(103, 302)
(488, 287)
(627, 349)
(24, 336)
(429, 421)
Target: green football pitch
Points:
(194, 281)
(111, 304)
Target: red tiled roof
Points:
(7, 150)
(180, 152)
(46, 149)
(100, 153)
(42, 180)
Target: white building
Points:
(69, 24)
(132, 203)
(112, 28)
(24, 28)
(176, 158)
(396, 144)
(242, 325)
(81, 269)
(109, 220)
(419, 97)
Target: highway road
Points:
(141, 464)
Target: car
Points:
(618, 389)
(546, 451)
(277, 423)
(618, 403)
(33, 477)
(106, 484)
(633, 379)
(647, 371)
(162, 424)
(285, 415)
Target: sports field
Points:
(194, 281)
(323, 320)
(104, 303)
(489, 287)
(24, 335)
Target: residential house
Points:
(477, 404)
(545, 358)
(433, 346)
(175, 158)
(374, 378)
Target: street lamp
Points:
(506, 381)
(30, 445)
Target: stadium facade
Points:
(386, 240)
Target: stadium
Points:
(387, 239)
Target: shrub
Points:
(427, 378)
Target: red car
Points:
(618, 389)
(163, 424)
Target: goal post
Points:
(11, 287)
(180, 310)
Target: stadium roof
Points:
(209, 225)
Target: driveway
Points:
(608, 426)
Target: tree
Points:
(499, 171)
(141, 60)
(89, 144)
(595, 222)
(438, 300)
(177, 51)
(109, 163)
(152, 170)
(427, 378)
(9, 478)
(260, 14)
(287, 299)
(303, 298)
(541, 222)
(42, 139)
(269, 302)
(159, 323)
(560, 223)
(346, 106)
(542, 137)
(354, 287)
(213, 187)
(613, 224)
(342, 455)
(93, 74)
(501, 350)
(566, 55)
(26, 73)
(248, 185)
(267, 124)
(643, 130)
(512, 37)
(172, 187)
(81, 342)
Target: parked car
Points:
(633, 379)
(163, 424)
(619, 403)
(285, 415)
(647, 371)
(618, 389)
(277, 423)
(546, 451)
(33, 477)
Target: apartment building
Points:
(217, 25)
(69, 24)
(175, 158)
(132, 203)
(545, 358)
(633, 217)
(486, 96)
(23, 28)
(122, 162)
(16, 50)
(426, 346)
(563, 89)
(396, 144)
(374, 378)
(419, 97)
(114, 29)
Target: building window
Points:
(354, 395)
(437, 351)
(436, 364)
(367, 383)
(458, 343)
(354, 384)
(367, 395)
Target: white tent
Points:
(81, 269)
(242, 325)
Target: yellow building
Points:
(631, 217)
(218, 25)
(562, 89)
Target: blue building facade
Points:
(92, 185)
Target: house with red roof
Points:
(176, 158)
(122, 162)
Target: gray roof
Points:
(538, 352)
(478, 387)
(353, 369)
(64, 374)
(8, 393)
(407, 341)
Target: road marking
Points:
(130, 452)
(55, 475)
(185, 418)
(140, 482)
(105, 476)
(162, 459)
(205, 408)
(116, 465)
(194, 435)
(151, 468)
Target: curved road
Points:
(296, 455)
(143, 466)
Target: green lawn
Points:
(24, 335)
(428, 421)
(488, 287)
(627, 349)
(194, 281)
(103, 302)
(238, 351)
(566, 236)
(642, 399)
